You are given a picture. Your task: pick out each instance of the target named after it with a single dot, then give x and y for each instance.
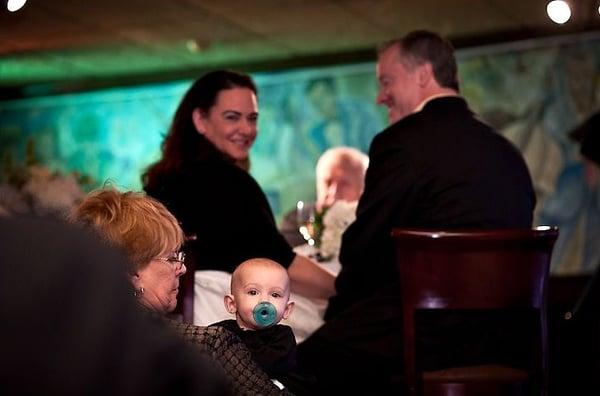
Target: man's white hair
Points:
(342, 154)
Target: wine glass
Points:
(305, 218)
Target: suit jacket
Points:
(438, 168)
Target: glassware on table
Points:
(305, 218)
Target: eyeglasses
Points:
(176, 260)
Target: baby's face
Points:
(259, 284)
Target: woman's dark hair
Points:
(183, 143)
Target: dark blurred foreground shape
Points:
(574, 323)
(574, 332)
(70, 324)
(497, 281)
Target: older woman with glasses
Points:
(151, 238)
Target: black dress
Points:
(225, 211)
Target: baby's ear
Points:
(230, 304)
(288, 309)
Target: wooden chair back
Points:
(478, 270)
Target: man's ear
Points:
(424, 74)
(198, 120)
(229, 301)
(288, 309)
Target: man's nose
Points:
(331, 195)
(381, 98)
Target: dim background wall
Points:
(532, 95)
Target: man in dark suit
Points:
(436, 166)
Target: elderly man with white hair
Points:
(340, 176)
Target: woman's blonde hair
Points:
(140, 225)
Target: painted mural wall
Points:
(533, 96)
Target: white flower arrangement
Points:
(34, 189)
(335, 221)
(44, 193)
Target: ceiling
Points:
(73, 44)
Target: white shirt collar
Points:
(430, 98)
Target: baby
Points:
(260, 292)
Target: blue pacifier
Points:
(265, 314)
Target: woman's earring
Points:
(139, 292)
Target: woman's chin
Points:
(171, 307)
(172, 304)
(240, 156)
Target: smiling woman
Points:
(202, 178)
(231, 123)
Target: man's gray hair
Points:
(345, 155)
(421, 46)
